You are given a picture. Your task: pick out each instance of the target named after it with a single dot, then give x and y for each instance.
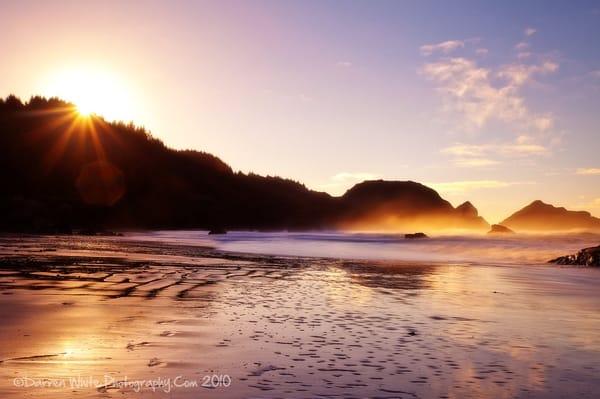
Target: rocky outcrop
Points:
(403, 205)
(499, 229)
(539, 216)
(585, 257)
(415, 236)
(467, 210)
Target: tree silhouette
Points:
(61, 171)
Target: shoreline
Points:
(288, 326)
(208, 247)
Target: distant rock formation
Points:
(412, 236)
(499, 229)
(467, 210)
(393, 205)
(545, 217)
(585, 257)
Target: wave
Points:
(513, 249)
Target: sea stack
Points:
(499, 229)
(539, 216)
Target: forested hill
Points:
(62, 171)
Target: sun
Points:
(84, 108)
(95, 92)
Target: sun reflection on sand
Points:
(340, 291)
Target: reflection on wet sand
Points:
(113, 312)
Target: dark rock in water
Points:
(585, 257)
(499, 229)
(415, 235)
(218, 230)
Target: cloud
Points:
(523, 149)
(458, 187)
(344, 64)
(474, 162)
(530, 31)
(465, 87)
(592, 204)
(483, 94)
(523, 55)
(519, 74)
(543, 123)
(522, 46)
(588, 171)
(480, 97)
(483, 155)
(444, 47)
(519, 148)
(595, 203)
(482, 51)
(469, 150)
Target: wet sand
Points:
(92, 317)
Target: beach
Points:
(162, 315)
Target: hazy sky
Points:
(495, 102)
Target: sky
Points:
(493, 102)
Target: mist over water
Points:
(510, 249)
